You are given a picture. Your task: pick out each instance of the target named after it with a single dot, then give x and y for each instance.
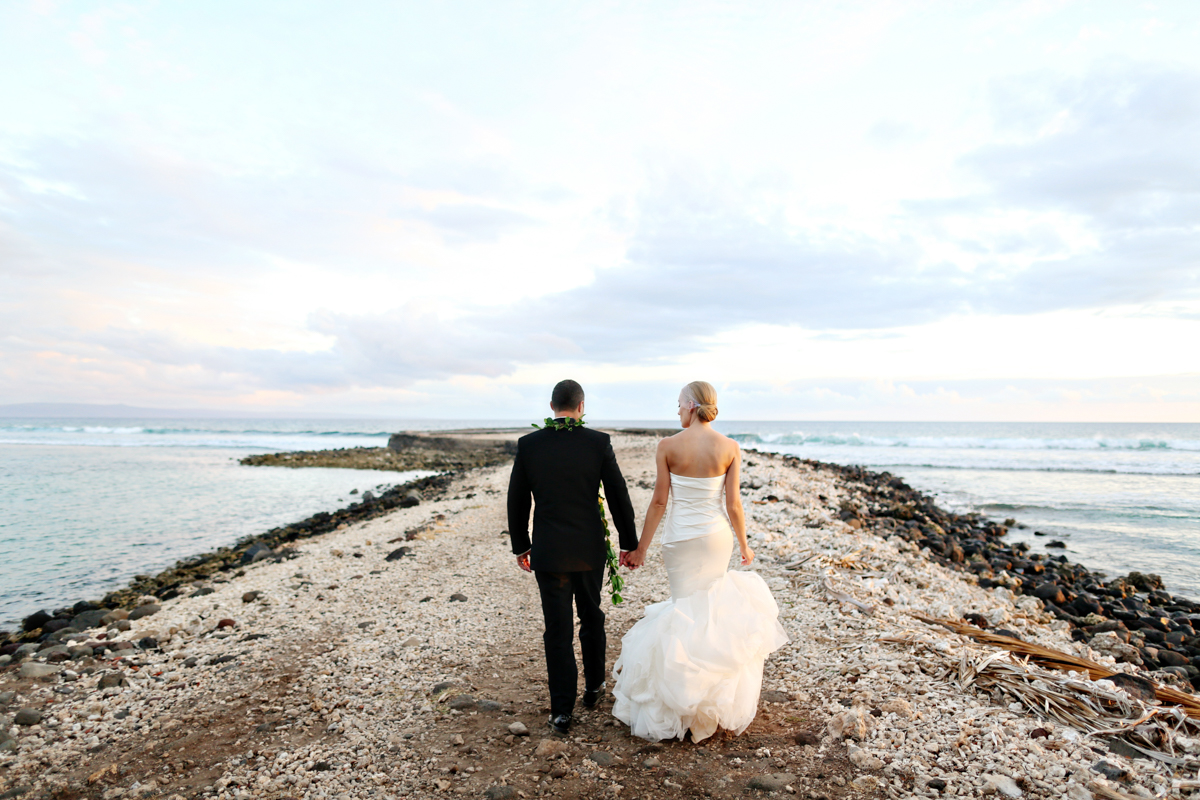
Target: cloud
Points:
(1086, 197)
(1113, 152)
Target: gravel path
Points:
(349, 675)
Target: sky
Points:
(829, 210)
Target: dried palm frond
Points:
(1098, 709)
(847, 560)
(1056, 659)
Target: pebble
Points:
(1109, 771)
(852, 724)
(774, 782)
(601, 758)
(111, 680)
(518, 729)
(27, 716)
(864, 760)
(547, 748)
(142, 611)
(32, 669)
(1001, 785)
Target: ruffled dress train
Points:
(696, 661)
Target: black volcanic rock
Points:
(35, 620)
(1049, 592)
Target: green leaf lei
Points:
(614, 578)
(565, 424)
(610, 556)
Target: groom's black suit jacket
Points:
(563, 470)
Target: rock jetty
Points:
(399, 656)
(414, 450)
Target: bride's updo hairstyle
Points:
(704, 396)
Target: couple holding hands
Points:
(692, 663)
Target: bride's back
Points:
(700, 452)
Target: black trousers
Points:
(557, 590)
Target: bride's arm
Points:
(733, 504)
(658, 506)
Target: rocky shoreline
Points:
(390, 650)
(50, 627)
(1128, 617)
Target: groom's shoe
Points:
(560, 723)
(592, 696)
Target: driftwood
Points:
(842, 597)
(1056, 659)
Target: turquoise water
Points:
(87, 504)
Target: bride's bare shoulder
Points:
(729, 442)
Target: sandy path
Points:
(353, 676)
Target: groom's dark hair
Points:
(567, 395)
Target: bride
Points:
(696, 661)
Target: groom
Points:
(563, 468)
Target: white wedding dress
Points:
(696, 661)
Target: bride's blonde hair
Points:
(704, 396)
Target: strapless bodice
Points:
(697, 508)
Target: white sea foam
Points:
(969, 442)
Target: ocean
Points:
(1121, 496)
(85, 504)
